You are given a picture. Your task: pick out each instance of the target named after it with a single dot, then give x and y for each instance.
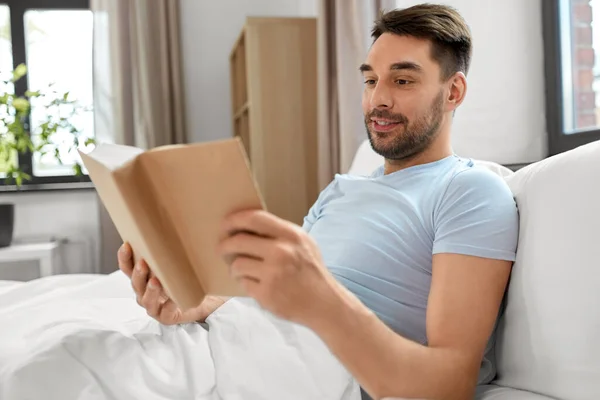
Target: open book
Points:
(169, 202)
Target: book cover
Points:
(169, 203)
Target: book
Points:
(169, 202)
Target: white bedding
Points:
(85, 337)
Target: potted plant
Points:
(47, 139)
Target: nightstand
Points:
(47, 254)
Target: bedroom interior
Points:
(283, 76)
(482, 132)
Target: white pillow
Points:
(365, 160)
(549, 337)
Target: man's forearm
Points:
(386, 364)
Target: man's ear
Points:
(457, 90)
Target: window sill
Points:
(47, 187)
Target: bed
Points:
(85, 337)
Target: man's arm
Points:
(466, 293)
(476, 229)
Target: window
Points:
(54, 39)
(571, 31)
(6, 64)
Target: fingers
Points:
(158, 305)
(246, 271)
(259, 222)
(125, 259)
(139, 278)
(149, 292)
(245, 268)
(251, 287)
(245, 244)
(168, 313)
(153, 298)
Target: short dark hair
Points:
(442, 25)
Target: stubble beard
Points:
(408, 139)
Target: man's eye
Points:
(370, 82)
(402, 82)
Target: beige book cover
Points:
(169, 202)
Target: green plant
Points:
(58, 115)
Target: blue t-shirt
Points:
(377, 234)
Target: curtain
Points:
(344, 28)
(138, 88)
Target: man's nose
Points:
(381, 96)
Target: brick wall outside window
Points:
(586, 115)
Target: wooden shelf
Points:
(241, 111)
(242, 130)
(239, 86)
(273, 70)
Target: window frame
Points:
(558, 140)
(17, 9)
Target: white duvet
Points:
(84, 337)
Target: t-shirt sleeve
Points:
(315, 210)
(477, 216)
(311, 217)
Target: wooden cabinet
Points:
(274, 108)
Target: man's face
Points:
(404, 96)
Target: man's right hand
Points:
(151, 295)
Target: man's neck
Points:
(432, 154)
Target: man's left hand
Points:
(277, 263)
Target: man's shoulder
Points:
(478, 182)
(475, 192)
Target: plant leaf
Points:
(21, 105)
(49, 139)
(78, 169)
(29, 93)
(57, 156)
(19, 72)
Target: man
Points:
(401, 273)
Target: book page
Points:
(114, 156)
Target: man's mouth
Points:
(381, 125)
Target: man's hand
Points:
(277, 263)
(151, 296)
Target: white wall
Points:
(503, 116)
(72, 215)
(209, 30)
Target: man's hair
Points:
(442, 25)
